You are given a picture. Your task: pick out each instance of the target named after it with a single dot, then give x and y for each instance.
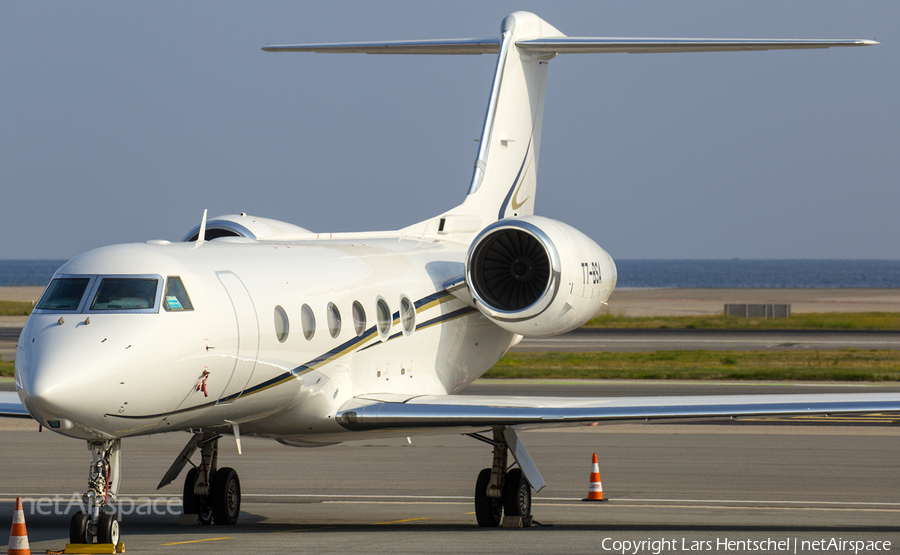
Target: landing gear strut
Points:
(99, 519)
(500, 491)
(211, 493)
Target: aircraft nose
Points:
(57, 388)
(47, 398)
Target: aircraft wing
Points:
(10, 405)
(480, 412)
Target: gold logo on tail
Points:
(516, 204)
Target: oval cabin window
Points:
(384, 317)
(359, 318)
(334, 320)
(282, 325)
(407, 315)
(307, 322)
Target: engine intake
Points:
(534, 276)
(513, 270)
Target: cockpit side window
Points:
(125, 294)
(176, 298)
(63, 294)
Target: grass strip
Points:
(15, 308)
(835, 365)
(7, 368)
(809, 320)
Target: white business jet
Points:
(251, 326)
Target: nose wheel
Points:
(99, 521)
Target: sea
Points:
(737, 273)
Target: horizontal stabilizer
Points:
(566, 45)
(440, 46)
(600, 45)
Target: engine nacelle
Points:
(244, 225)
(536, 276)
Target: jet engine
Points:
(535, 276)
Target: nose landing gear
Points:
(99, 520)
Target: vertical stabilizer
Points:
(504, 179)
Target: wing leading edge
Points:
(479, 412)
(567, 45)
(10, 405)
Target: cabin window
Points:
(282, 325)
(359, 318)
(407, 315)
(125, 294)
(176, 298)
(334, 320)
(63, 294)
(307, 322)
(383, 311)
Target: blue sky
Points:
(122, 121)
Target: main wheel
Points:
(516, 494)
(78, 527)
(225, 496)
(193, 504)
(108, 528)
(488, 510)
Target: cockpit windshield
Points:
(125, 294)
(63, 294)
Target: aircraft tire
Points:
(108, 528)
(78, 527)
(225, 497)
(193, 504)
(517, 494)
(488, 510)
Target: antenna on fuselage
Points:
(201, 235)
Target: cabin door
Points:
(247, 326)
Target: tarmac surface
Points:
(713, 481)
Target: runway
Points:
(593, 339)
(708, 481)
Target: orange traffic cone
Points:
(595, 490)
(18, 537)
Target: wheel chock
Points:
(94, 548)
(511, 522)
(189, 520)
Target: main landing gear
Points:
(211, 493)
(501, 491)
(99, 521)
